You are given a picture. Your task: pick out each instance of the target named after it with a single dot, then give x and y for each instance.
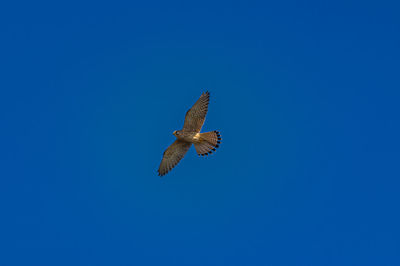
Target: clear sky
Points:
(306, 97)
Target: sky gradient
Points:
(305, 95)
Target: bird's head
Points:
(177, 133)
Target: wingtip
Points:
(159, 173)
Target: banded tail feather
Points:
(208, 142)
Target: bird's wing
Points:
(172, 155)
(196, 115)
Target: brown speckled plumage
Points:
(205, 143)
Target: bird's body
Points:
(205, 143)
(192, 137)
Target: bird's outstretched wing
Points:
(172, 155)
(196, 115)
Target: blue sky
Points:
(305, 95)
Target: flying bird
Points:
(204, 143)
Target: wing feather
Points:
(196, 115)
(172, 155)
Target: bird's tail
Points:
(208, 142)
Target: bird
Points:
(204, 143)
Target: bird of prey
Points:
(204, 143)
